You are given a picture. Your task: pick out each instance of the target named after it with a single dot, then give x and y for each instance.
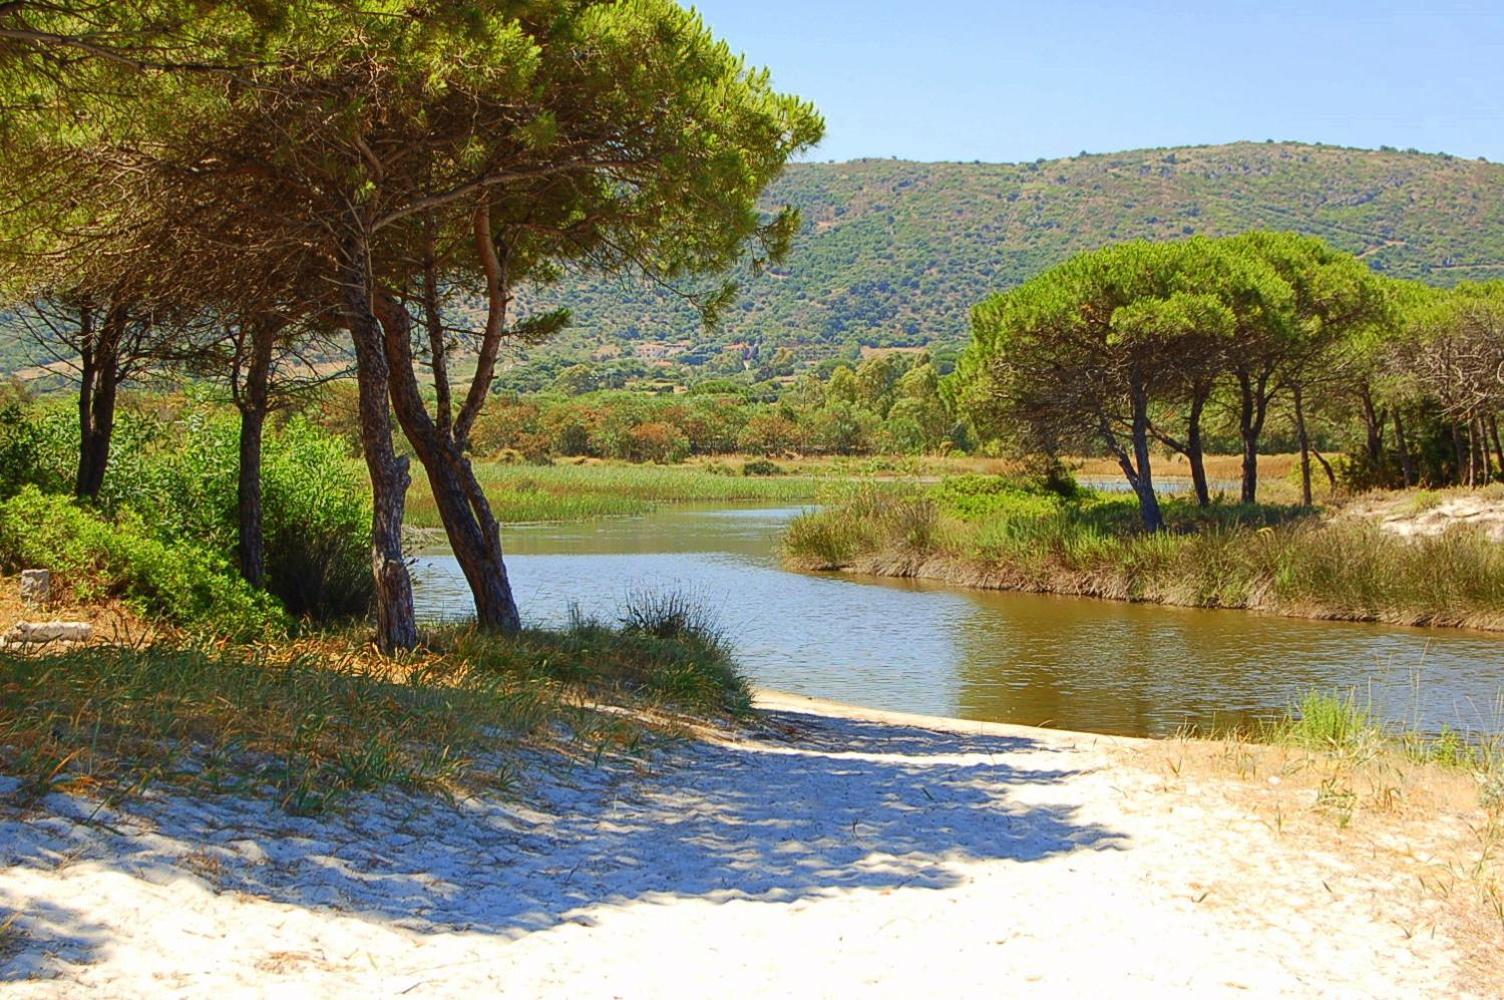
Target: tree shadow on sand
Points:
(800, 809)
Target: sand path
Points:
(822, 854)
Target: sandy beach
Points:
(824, 851)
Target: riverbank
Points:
(820, 851)
(999, 534)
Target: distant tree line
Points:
(888, 403)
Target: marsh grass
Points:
(316, 721)
(526, 493)
(1329, 722)
(1278, 558)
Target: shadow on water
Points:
(793, 811)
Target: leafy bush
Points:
(182, 582)
(317, 519)
(180, 478)
(761, 467)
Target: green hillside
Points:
(894, 253)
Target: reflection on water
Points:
(1073, 663)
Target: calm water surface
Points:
(1073, 663)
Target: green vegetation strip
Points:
(1012, 535)
(523, 493)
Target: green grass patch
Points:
(523, 493)
(1328, 722)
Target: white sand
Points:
(1397, 514)
(820, 856)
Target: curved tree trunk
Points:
(1148, 502)
(396, 624)
(472, 530)
(1136, 467)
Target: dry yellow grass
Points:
(1423, 826)
(114, 622)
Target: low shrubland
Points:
(1013, 534)
(94, 557)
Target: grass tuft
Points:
(1329, 722)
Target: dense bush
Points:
(94, 556)
(317, 519)
(175, 470)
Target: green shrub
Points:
(761, 467)
(316, 515)
(180, 478)
(181, 582)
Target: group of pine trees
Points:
(241, 189)
(1135, 347)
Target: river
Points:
(1070, 663)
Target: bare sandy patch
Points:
(1426, 513)
(824, 851)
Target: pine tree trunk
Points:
(473, 532)
(254, 400)
(1459, 476)
(248, 497)
(1248, 429)
(1493, 436)
(1305, 448)
(1407, 465)
(396, 624)
(1480, 451)
(1195, 453)
(96, 402)
(1374, 425)
(1148, 502)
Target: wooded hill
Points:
(896, 253)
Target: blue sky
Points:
(972, 80)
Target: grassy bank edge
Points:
(957, 571)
